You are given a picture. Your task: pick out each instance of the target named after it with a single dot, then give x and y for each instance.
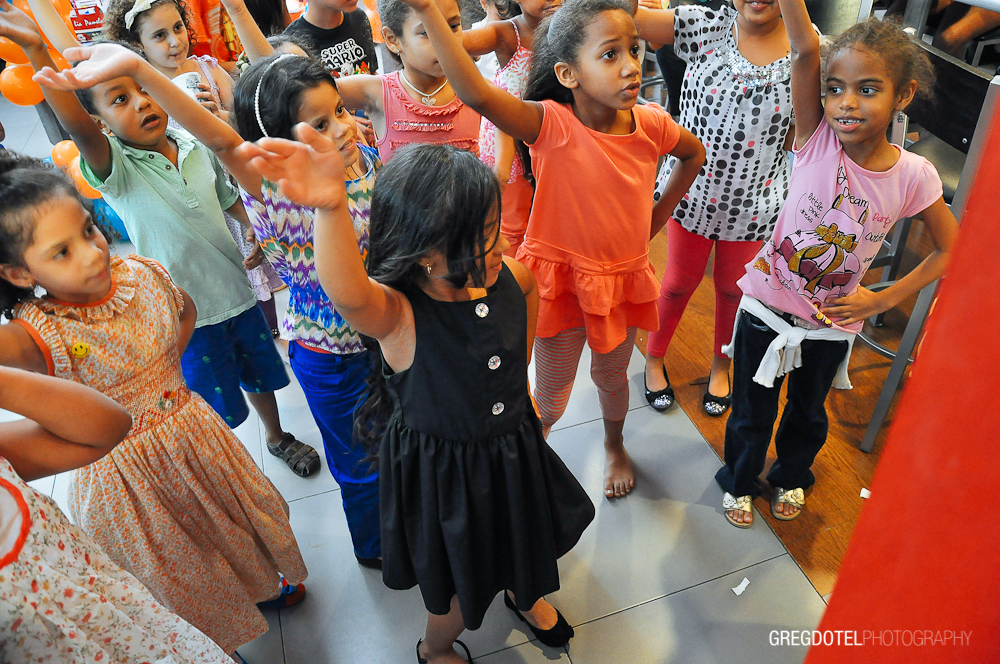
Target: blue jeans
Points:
(804, 425)
(334, 385)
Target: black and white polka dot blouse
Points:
(741, 113)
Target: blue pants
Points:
(334, 385)
(804, 423)
(224, 360)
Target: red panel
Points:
(925, 556)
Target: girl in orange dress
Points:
(180, 503)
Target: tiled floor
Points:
(650, 581)
(24, 130)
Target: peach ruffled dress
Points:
(179, 503)
(587, 240)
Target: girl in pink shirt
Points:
(803, 302)
(593, 155)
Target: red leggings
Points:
(687, 256)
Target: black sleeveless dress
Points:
(473, 500)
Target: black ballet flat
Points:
(662, 399)
(423, 660)
(717, 406)
(556, 637)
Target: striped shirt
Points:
(285, 231)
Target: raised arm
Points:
(48, 442)
(655, 25)
(93, 145)
(520, 119)
(310, 172)
(254, 41)
(805, 56)
(52, 26)
(105, 62)
(490, 37)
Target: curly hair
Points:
(904, 60)
(114, 21)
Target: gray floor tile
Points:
(266, 648)
(249, 434)
(709, 624)
(529, 653)
(37, 143)
(669, 534)
(296, 418)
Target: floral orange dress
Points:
(179, 503)
(63, 600)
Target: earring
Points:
(428, 268)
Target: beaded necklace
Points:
(747, 73)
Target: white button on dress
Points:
(482, 310)
(494, 363)
(498, 408)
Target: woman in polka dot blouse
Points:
(736, 99)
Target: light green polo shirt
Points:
(176, 218)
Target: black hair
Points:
(86, 95)
(114, 21)
(269, 15)
(280, 94)
(26, 183)
(300, 39)
(558, 39)
(506, 9)
(904, 59)
(393, 14)
(428, 198)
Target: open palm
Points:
(98, 64)
(17, 26)
(309, 171)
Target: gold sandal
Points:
(794, 497)
(741, 503)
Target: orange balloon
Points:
(81, 184)
(61, 62)
(16, 85)
(11, 52)
(64, 152)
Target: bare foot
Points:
(542, 615)
(619, 477)
(447, 657)
(718, 380)
(786, 509)
(655, 380)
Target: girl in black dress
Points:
(473, 501)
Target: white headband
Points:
(256, 95)
(139, 7)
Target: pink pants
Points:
(687, 256)
(556, 360)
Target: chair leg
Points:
(899, 363)
(898, 243)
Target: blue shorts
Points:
(225, 357)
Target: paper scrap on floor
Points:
(743, 586)
(865, 493)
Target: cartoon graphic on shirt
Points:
(345, 59)
(824, 256)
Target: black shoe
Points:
(468, 655)
(662, 399)
(556, 637)
(370, 563)
(717, 406)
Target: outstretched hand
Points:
(308, 172)
(651, 4)
(99, 63)
(418, 5)
(18, 27)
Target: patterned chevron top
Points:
(285, 230)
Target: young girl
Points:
(511, 41)
(61, 597)
(181, 487)
(802, 302)
(326, 353)
(737, 99)
(594, 155)
(174, 200)
(473, 500)
(160, 30)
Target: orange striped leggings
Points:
(556, 361)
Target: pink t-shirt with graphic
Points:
(834, 220)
